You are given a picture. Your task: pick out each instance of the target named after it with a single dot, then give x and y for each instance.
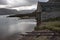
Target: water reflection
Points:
(13, 25)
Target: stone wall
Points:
(47, 15)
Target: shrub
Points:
(52, 19)
(37, 28)
(55, 26)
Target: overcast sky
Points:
(20, 4)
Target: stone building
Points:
(50, 9)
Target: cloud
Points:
(3, 2)
(18, 2)
(22, 2)
(32, 1)
(43, 0)
(32, 7)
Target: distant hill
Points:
(4, 11)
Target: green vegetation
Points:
(54, 26)
(52, 19)
(37, 28)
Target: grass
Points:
(52, 19)
(54, 26)
(37, 28)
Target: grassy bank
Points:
(54, 26)
(52, 19)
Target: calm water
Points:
(9, 26)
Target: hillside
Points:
(4, 11)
